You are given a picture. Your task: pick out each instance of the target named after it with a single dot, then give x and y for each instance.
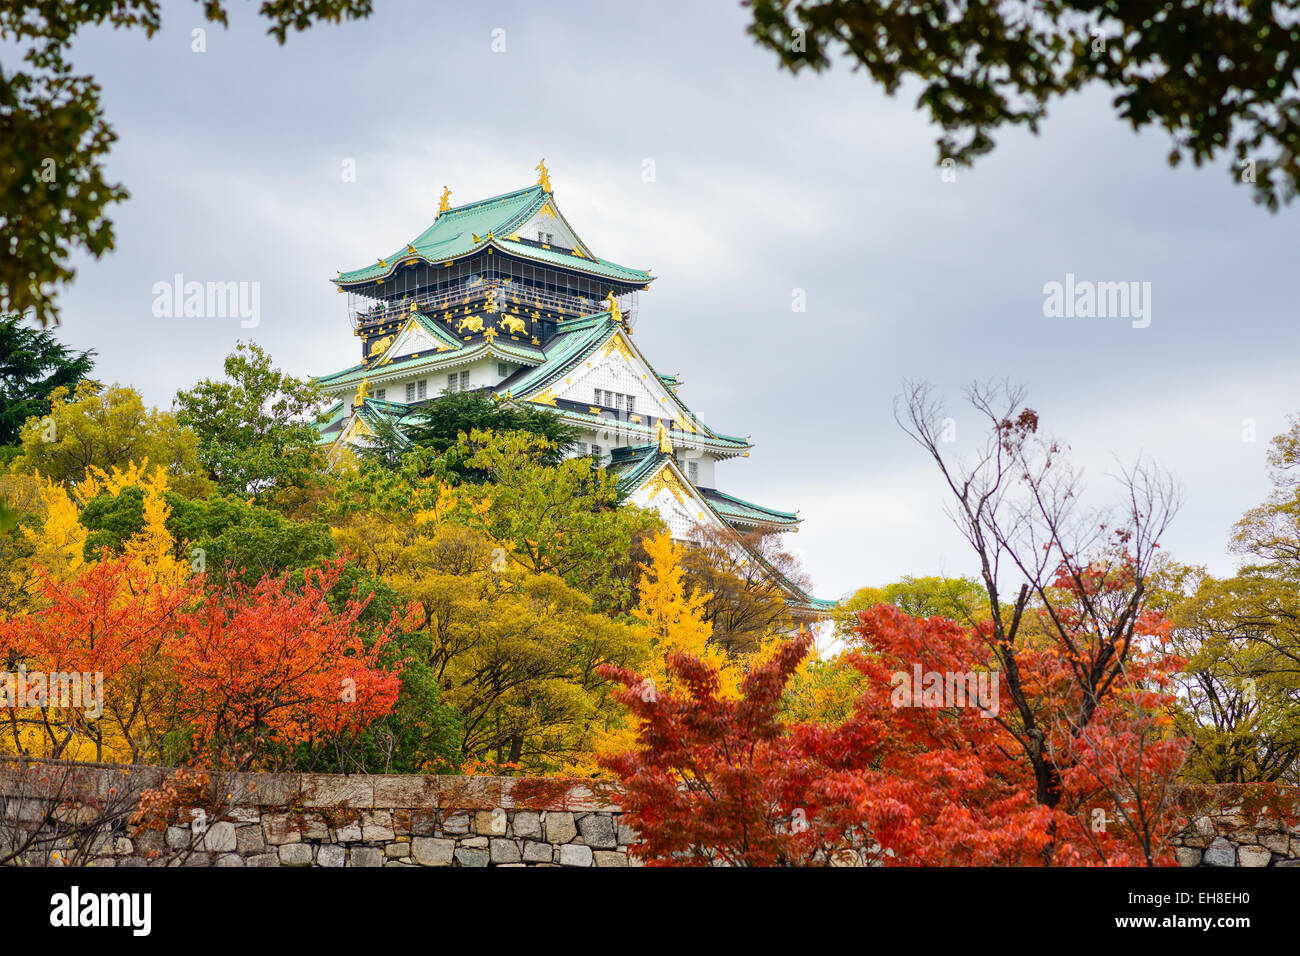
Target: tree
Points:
(1017, 502)
(515, 652)
(1240, 701)
(113, 620)
(441, 424)
(1213, 76)
(746, 579)
(1242, 638)
(54, 136)
(106, 428)
(912, 776)
(32, 365)
(256, 432)
(718, 780)
(564, 519)
(223, 536)
(672, 620)
(386, 444)
(958, 599)
(263, 669)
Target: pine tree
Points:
(32, 365)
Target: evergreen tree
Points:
(33, 363)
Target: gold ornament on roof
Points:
(544, 176)
(363, 392)
(665, 441)
(445, 204)
(612, 307)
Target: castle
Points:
(502, 295)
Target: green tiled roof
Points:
(462, 230)
(746, 512)
(579, 338)
(513, 351)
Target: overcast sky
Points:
(764, 183)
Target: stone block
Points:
(491, 822)
(349, 832)
(428, 851)
(560, 827)
(1278, 843)
(366, 856)
(219, 838)
(597, 831)
(377, 826)
(471, 856)
(528, 825)
(571, 855)
(249, 840)
(1187, 856)
(609, 858)
(263, 789)
(280, 828)
(504, 851)
(456, 821)
(1253, 856)
(405, 791)
(335, 790)
(538, 852)
(1221, 853)
(295, 854)
(332, 855)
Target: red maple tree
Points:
(276, 665)
(929, 783)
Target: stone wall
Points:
(1239, 825)
(310, 820)
(60, 813)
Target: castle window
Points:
(451, 383)
(380, 393)
(410, 392)
(693, 471)
(503, 369)
(423, 389)
(596, 453)
(631, 403)
(464, 381)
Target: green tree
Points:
(32, 365)
(441, 424)
(1214, 76)
(224, 536)
(963, 600)
(1240, 700)
(54, 137)
(107, 428)
(256, 430)
(565, 519)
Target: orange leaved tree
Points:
(261, 669)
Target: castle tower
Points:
(502, 295)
